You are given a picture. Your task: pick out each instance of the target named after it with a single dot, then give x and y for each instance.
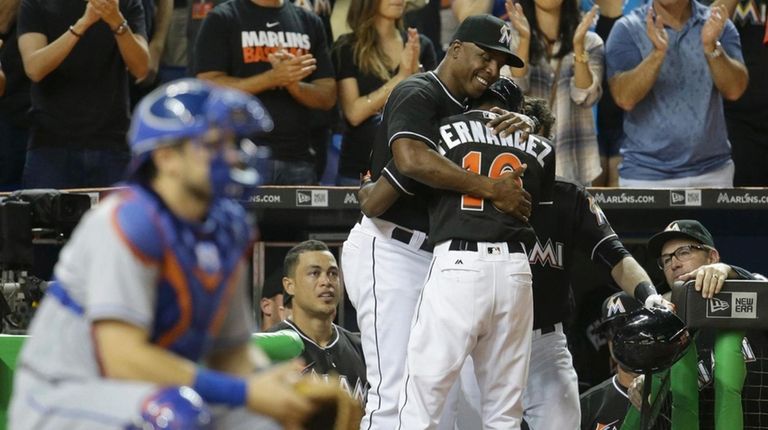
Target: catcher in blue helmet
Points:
(146, 324)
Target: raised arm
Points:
(631, 86)
(40, 57)
(729, 74)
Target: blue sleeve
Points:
(621, 52)
(731, 41)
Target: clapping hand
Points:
(654, 28)
(712, 29)
(581, 31)
(289, 69)
(409, 59)
(518, 20)
(108, 11)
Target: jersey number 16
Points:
(503, 163)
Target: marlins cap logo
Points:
(506, 35)
(615, 307)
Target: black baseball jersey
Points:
(413, 110)
(343, 355)
(574, 223)
(604, 406)
(468, 142)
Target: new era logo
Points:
(684, 198)
(717, 305)
(741, 305)
(313, 198)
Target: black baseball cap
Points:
(488, 32)
(273, 285)
(682, 228)
(615, 308)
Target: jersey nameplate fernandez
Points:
(473, 131)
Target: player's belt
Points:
(403, 235)
(469, 245)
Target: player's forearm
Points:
(628, 273)
(415, 160)
(236, 361)
(255, 84)
(630, 87)
(730, 76)
(126, 354)
(376, 197)
(319, 94)
(2, 83)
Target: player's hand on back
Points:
(510, 197)
(271, 393)
(508, 123)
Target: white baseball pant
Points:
(551, 397)
(383, 278)
(475, 303)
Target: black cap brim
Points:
(658, 240)
(512, 59)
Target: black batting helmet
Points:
(507, 91)
(650, 340)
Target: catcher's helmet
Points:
(188, 108)
(650, 340)
(508, 92)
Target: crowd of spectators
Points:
(645, 94)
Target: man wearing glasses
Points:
(686, 251)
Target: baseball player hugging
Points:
(477, 299)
